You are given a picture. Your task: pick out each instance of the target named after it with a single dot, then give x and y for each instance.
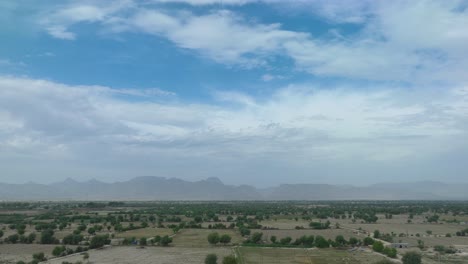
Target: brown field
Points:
(285, 223)
(12, 253)
(148, 255)
(145, 232)
(411, 229)
(198, 237)
(328, 233)
(257, 255)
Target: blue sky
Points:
(254, 92)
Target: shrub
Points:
(213, 238)
(99, 241)
(211, 259)
(411, 258)
(390, 252)
(378, 246)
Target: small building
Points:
(116, 241)
(400, 245)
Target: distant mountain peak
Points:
(69, 181)
(212, 188)
(214, 180)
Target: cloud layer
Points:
(376, 90)
(44, 123)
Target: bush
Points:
(439, 248)
(211, 259)
(321, 242)
(390, 252)
(72, 239)
(256, 237)
(412, 258)
(368, 241)
(378, 246)
(99, 241)
(47, 237)
(213, 238)
(165, 241)
(225, 239)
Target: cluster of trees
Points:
(37, 257)
(213, 259)
(319, 225)
(379, 247)
(306, 241)
(444, 250)
(215, 238)
(463, 232)
(16, 238)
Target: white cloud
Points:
(415, 41)
(269, 77)
(61, 32)
(297, 126)
(222, 35)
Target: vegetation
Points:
(412, 258)
(211, 259)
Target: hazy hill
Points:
(159, 188)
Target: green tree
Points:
(390, 252)
(412, 258)
(39, 256)
(368, 241)
(256, 237)
(31, 237)
(273, 239)
(376, 234)
(165, 241)
(340, 240)
(211, 259)
(58, 250)
(47, 237)
(225, 239)
(321, 242)
(213, 238)
(99, 241)
(143, 241)
(353, 241)
(378, 246)
(91, 230)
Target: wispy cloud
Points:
(392, 44)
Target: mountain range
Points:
(160, 188)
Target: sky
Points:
(252, 92)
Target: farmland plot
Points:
(148, 255)
(198, 237)
(257, 255)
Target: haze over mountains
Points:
(160, 188)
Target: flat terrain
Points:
(198, 237)
(145, 232)
(257, 255)
(147, 255)
(12, 253)
(190, 245)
